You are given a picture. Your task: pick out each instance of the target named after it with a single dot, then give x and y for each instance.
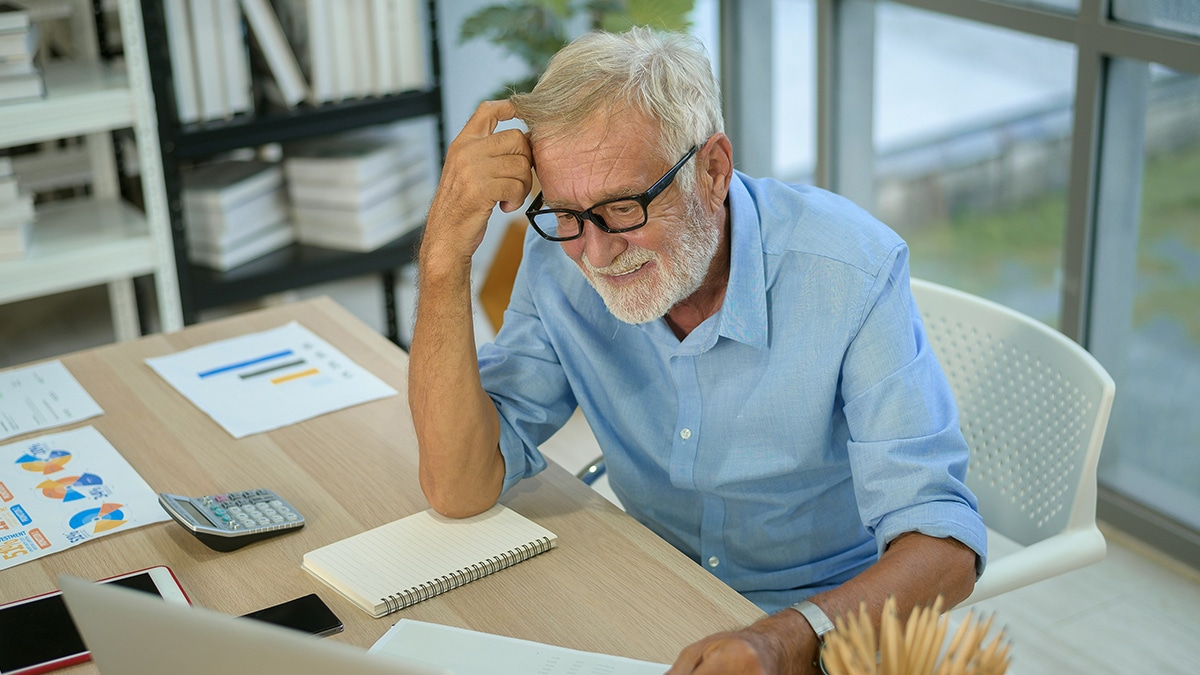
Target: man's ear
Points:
(716, 163)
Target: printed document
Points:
(61, 490)
(40, 397)
(264, 381)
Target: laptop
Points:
(131, 633)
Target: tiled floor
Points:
(1134, 612)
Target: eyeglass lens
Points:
(615, 215)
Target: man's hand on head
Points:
(483, 168)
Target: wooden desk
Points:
(611, 585)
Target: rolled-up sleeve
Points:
(908, 456)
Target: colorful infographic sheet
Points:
(263, 381)
(40, 397)
(61, 490)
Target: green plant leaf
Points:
(669, 15)
(527, 30)
(534, 30)
(621, 15)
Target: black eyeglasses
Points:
(613, 216)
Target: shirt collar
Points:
(743, 314)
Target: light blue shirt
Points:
(787, 439)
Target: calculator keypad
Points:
(249, 509)
(229, 521)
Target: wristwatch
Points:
(821, 625)
(816, 618)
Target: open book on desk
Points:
(417, 557)
(468, 652)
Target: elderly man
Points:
(747, 353)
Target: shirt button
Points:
(713, 561)
(685, 434)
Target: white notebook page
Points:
(418, 549)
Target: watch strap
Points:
(816, 618)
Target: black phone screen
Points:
(42, 631)
(308, 613)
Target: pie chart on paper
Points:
(68, 489)
(56, 461)
(99, 520)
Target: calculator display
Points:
(194, 512)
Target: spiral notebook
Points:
(417, 557)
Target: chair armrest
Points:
(1042, 560)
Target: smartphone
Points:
(309, 614)
(37, 634)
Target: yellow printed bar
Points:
(295, 376)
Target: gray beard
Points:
(680, 272)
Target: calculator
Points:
(229, 521)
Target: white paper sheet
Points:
(41, 397)
(467, 652)
(61, 490)
(264, 381)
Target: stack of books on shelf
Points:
(350, 49)
(314, 50)
(357, 192)
(20, 78)
(16, 214)
(235, 211)
(210, 61)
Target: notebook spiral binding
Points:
(397, 602)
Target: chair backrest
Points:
(1033, 406)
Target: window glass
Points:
(706, 27)
(1152, 451)
(794, 83)
(972, 143)
(1060, 5)
(1178, 16)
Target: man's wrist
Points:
(820, 623)
(816, 617)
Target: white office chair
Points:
(1033, 406)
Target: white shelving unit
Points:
(100, 240)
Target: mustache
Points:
(628, 261)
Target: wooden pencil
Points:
(914, 647)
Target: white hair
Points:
(667, 77)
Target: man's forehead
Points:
(600, 135)
(599, 160)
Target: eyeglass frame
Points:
(643, 199)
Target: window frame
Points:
(1104, 189)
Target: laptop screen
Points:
(131, 633)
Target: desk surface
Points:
(611, 585)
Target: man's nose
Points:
(600, 247)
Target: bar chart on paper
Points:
(275, 368)
(263, 381)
